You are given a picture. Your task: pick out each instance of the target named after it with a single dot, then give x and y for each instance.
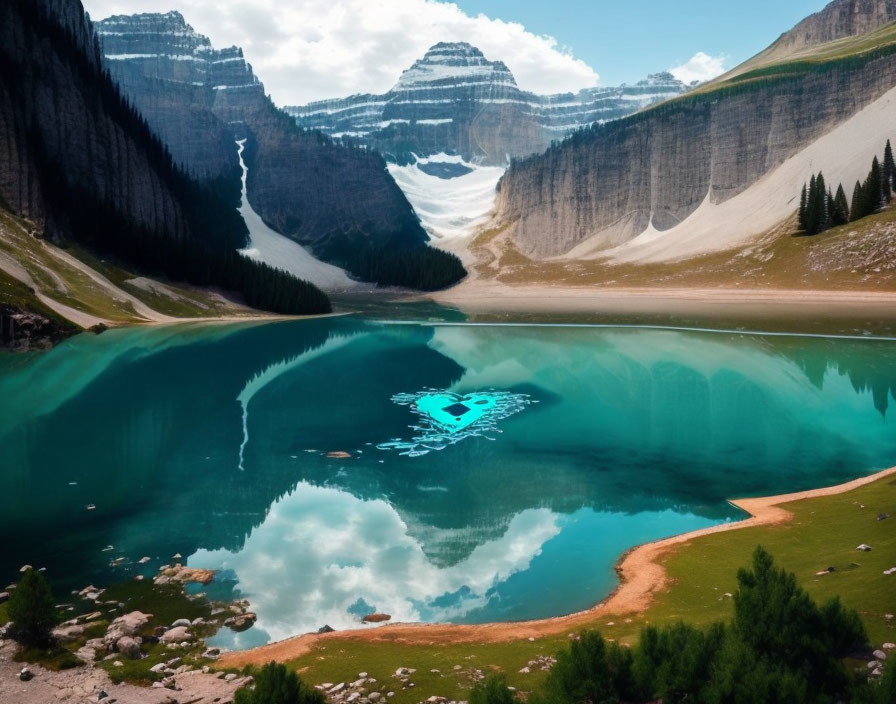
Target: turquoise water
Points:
(211, 441)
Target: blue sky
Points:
(624, 41)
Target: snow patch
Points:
(451, 210)
(272, 248)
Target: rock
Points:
(373, 696)
(68, 633)
(358, 683)
(892, 570)
(26, 674)
(354, 696)
(4, 596)
(197, 621)
(889, 646)
(326, 629)
(883, 516)
(229, 677)
(25, 568)
(128, 646)
(184, 575)
(880, 654)
(118, 663)
(129, 624)
(143, 560)
(338, 455)
(158, 667)
(864, 548)
(241, 622)
(362, 675)
(182, 622)
(525, 671)
(176, 635)
(376, 618)
(211, 653)
(337, 688)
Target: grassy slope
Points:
(15, 293)
(824, 532)
(66, 284)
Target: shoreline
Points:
(641, 577)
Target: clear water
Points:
(211, 441)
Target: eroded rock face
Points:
(58, 132)
(22, 330)
(838, 19)
(610, 182)
(455, 100)
(200, 100)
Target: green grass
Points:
(55, 658)
(166, 603)
(14, 293)
(189, 302)
(4, 616)
(824, 532)
(57, 279)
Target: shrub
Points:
(32, 610)
(274, 684)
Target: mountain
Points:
(456, 101)
(337, 201)
(713, 169)
(81, 165)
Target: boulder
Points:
(68, 633)
(326, 629)
(128, 646)
(176, 635)
(376, 618)
(241, 622)
(127, 625)
(880, 654)
(25, 674)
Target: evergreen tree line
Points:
(395, 262)
(821, 210)
(779, 648)
(206, 255)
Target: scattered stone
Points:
(354, 696)
(326, 629)
(181, 622)
(525, 671)
(183, 575)
(229, 677)
(128, 646)
(362, 675)
(68, 633)
(892, 570)
(176, 635)
(241, 622)
(25, 568)
(889, 646)
(158, 667)
(118, 663)
(374, 696)
(883, 516)
(4, 596)
(864, 548)
(873, 664)
(337, 688)
(127, 625)
(26, 675)
(338, 455)
(879, 654)
(211, 653)
(376, 618)
(143, 560)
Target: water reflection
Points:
(212, 441)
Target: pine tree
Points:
(855, 210)
(889, 166)
(840, 214)
(32, 610)
(801, 218)
(874, 188)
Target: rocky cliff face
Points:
(838, 19)
(611, 182)
(200, 100)
(62, 131)
(455, 100)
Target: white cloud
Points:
(316, 49)
(700, 67)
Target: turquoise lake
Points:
(211, 441)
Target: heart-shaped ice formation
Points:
(454, 412)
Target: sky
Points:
(305, 50)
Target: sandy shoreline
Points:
(640, 573)
(483, 296)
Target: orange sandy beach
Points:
(640, 573)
